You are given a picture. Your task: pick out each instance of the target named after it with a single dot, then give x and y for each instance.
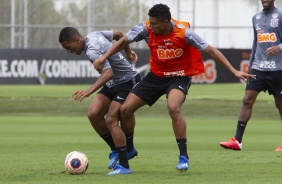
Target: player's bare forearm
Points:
(105, 76)
(219, 57)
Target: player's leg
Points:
(131, 104)
(253, 88)
(174, 102)
(128, 128)
(96, 113)
(247, 105)
(276, 89)
(245, 113)
(278, 103)
(235, 143)
(145, 92)
(112, 121)
(177, 89)
(123, 137)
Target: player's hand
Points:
(98, 64)
(80, 95)
(271, 51)
(244, 76)
(132, 57)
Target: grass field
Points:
(40, 125)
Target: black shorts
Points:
(120, 92)
(266, 80)
(152, 87)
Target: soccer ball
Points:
(76, 162)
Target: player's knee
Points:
(111, 121)
(125, 112)
(108, 123)
(247, 101)
(174, 110)
(92, 114)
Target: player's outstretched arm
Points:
(105, 76)
(219, 57)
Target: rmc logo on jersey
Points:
(169, 53)
(266, 37)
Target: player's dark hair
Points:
(68, 34)
(160, 11)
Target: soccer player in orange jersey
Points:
(175, 57)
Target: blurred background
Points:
(36, 23)
(31, 54)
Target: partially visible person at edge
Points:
(175, 57)
(266, 64)
(117, 79)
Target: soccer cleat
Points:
(118, 169)
(132, 154)
(183, 164)
(113, 156)
(231, 144)
(279, 149)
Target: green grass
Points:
(204, 101)
(40, 125)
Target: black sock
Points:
(109, 140)
(182, 145)
(129, 142)
(122, 151)
(240, 131)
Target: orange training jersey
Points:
(171, 55)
